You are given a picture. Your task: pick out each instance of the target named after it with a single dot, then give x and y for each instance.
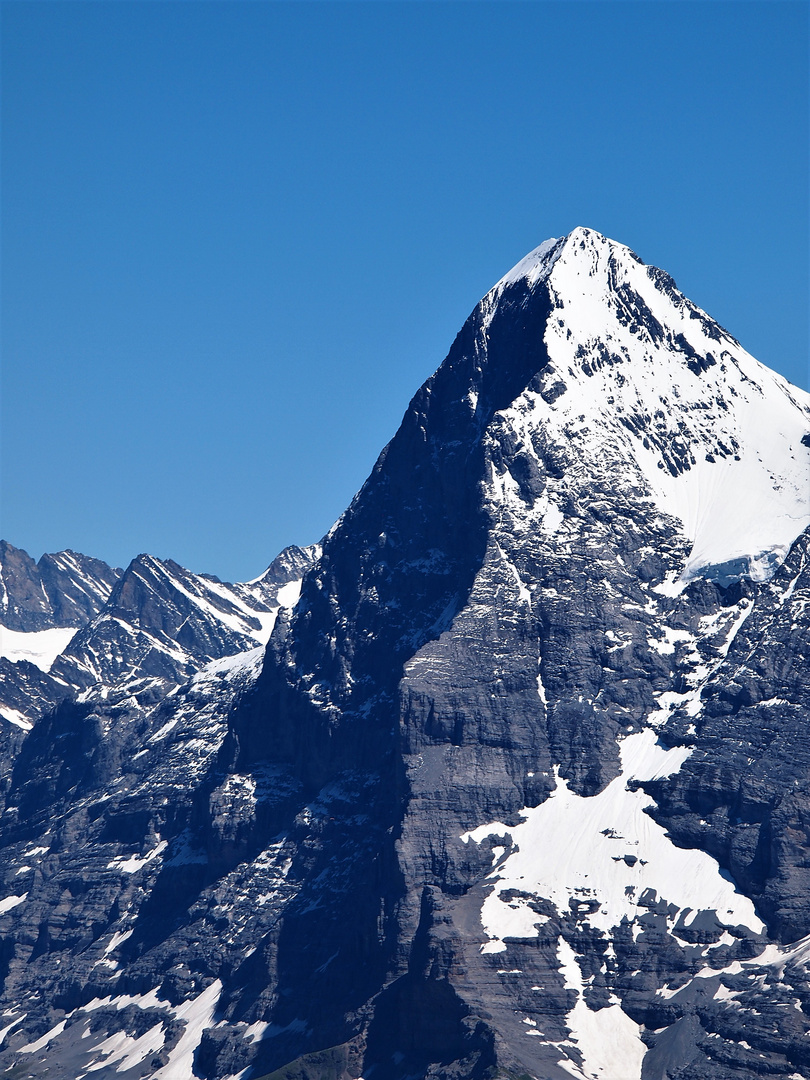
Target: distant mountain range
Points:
(508, 777)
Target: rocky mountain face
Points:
(520, 784)
(154, 627)
(61, 590)
(156, 620)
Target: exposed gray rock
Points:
(65, 589)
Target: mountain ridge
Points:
(155, 619)
(327, 857)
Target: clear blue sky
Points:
(238, 236)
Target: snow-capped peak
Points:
(642, 377)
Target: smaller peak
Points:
(147, 562)
(7, 547)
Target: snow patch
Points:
(532, 267)
(41, 1043)
(14, 716)
(289, 594)
(116, 940)
(606, 854)
(11, 902)
(608, 1040)
(136, 862)
(4, 1031)
(40, 647)
(198, 1014)
(129, 1051)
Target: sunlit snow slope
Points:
(640, 375)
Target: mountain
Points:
(62, 590)
(520, 786)
(156, 620)
(139, 632)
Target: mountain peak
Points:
(642, 378)
(536, 265)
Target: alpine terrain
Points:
(509, 778)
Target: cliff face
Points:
(520, 784)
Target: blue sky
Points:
(238, 236)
